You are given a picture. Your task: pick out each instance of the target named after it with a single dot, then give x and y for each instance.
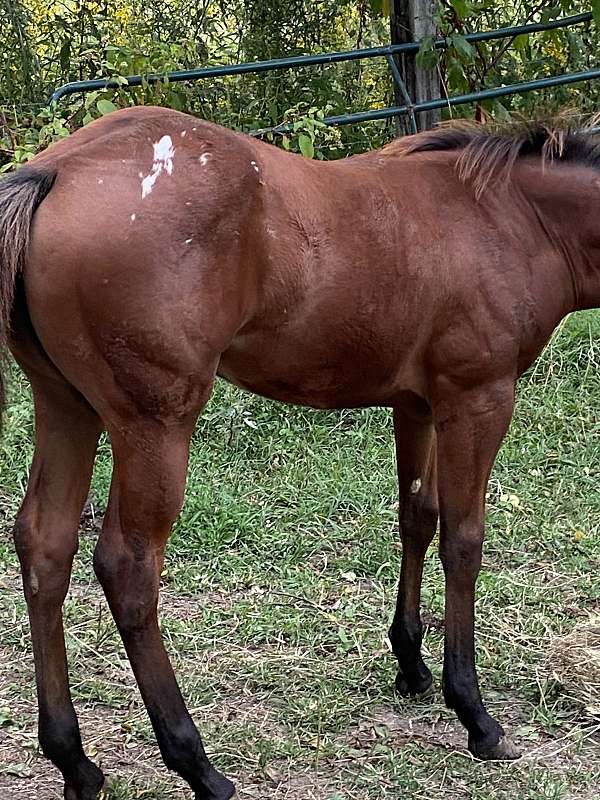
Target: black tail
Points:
(20, 195)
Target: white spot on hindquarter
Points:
(187, 241)
(164, 152)
(183, 134)
(100, 181)
(415, 486)
(255, 166)
(204, 159)
(132, 217)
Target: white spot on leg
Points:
(34, 584)
(164, 152)
(415, 486)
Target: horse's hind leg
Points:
(45, 534)
(150, 465)
(417, 482)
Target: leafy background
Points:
(45, 44)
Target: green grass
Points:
(279, 586)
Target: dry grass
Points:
(575, 661)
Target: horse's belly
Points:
(326, 374)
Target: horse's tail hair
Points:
(20, 195)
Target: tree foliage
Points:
(45, 44)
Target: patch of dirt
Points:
(399, 730)
(282, 786)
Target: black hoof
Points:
(422, 687)
(503, 750)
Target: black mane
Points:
(483, 153)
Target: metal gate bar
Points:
(386, 51)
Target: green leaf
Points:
(462, 47)
(380, 7)
(596, 11)
(306, 145)
(456, 75)
(105, 107)
(427, 57)
(462, 8)
(90, 99)
(521, 43)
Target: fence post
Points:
(411, 20)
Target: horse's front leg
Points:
(470, 429)
(150, 464)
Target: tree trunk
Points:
(410, 21)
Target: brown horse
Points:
(165, 251)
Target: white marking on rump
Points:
(100, 181)
(187, 241)
(204, 159)
(255, 165)
(133, 217)
(164, 152)
(415, 486)
(183, 134)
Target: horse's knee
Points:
(460, 552)
(130, 579)
(418, 519)
(45, 556)
(23, 537)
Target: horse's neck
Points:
(566, 201)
